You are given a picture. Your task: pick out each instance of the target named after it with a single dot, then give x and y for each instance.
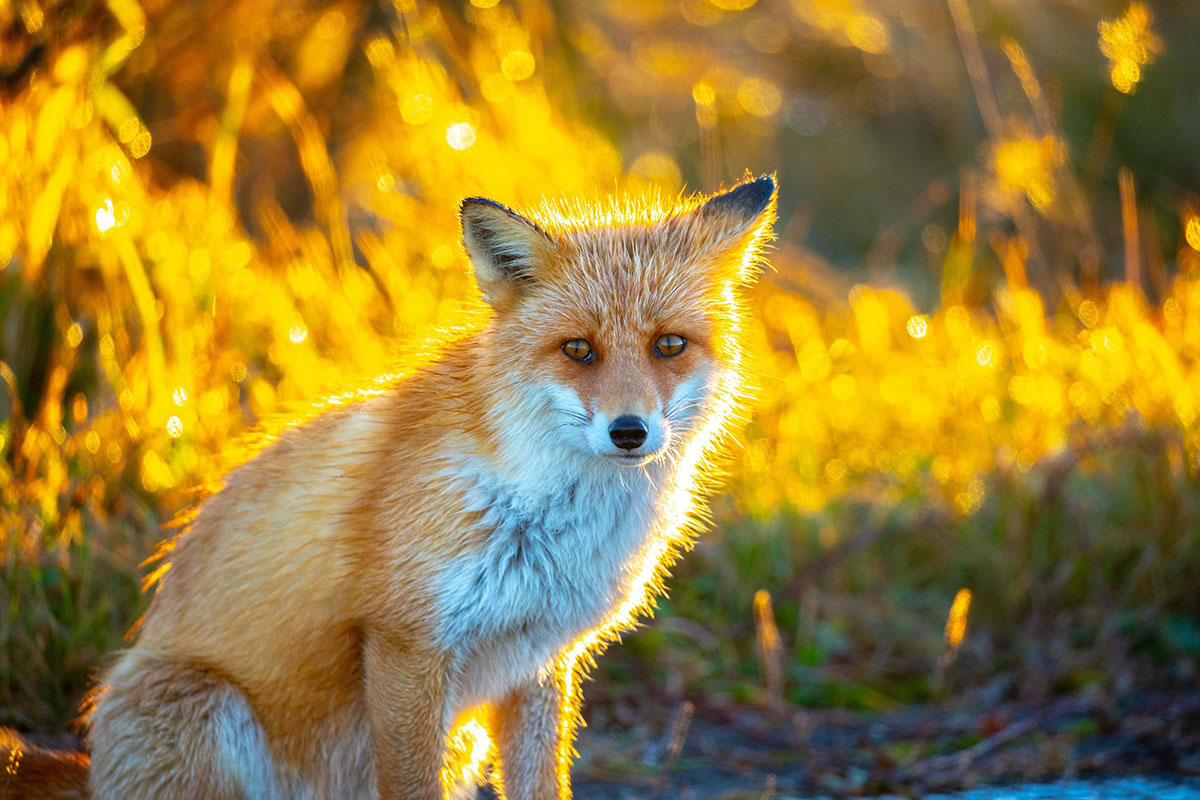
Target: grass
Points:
(62, 619)
(1079, 571)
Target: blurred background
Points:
(964, 514)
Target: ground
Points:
(703, 751)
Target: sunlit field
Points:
(970, 465)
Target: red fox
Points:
(456, 542)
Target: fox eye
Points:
(579, 350)
(670, 344)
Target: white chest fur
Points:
(552, 566)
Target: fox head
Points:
(615, 330)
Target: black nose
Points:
(628, 432)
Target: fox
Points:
(460, 542)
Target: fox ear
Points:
(741, 210)
(504, 247)
(734, 225)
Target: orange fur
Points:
(33, 773)
(461, 538)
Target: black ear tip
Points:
(749, 198)
(758, 192)
(768, 183)
(471, 202)
(480, 212)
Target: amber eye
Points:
(580, 350)
(670, 344)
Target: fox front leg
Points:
(533, 740)
(406, 694)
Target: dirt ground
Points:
(704, 751)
